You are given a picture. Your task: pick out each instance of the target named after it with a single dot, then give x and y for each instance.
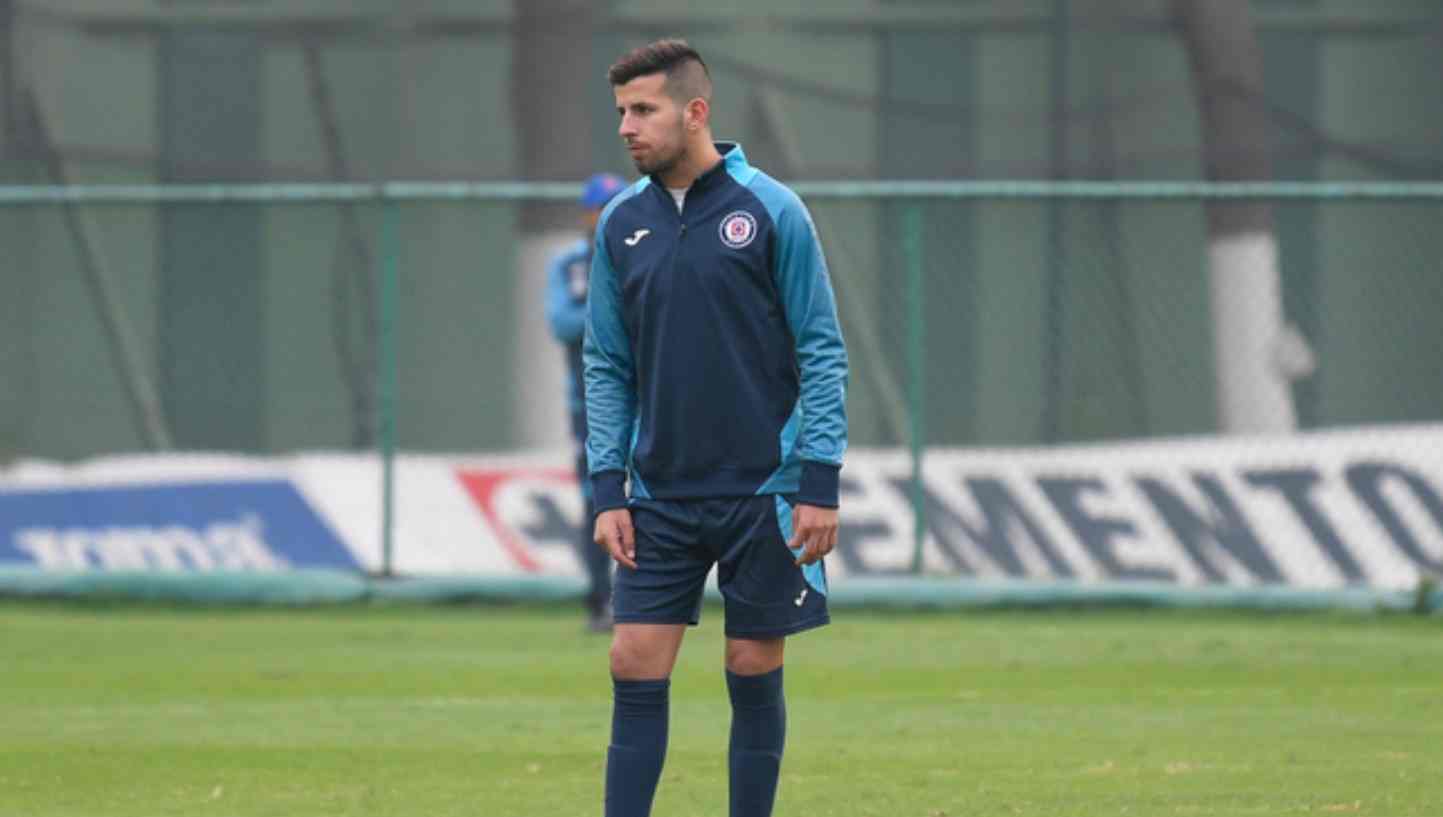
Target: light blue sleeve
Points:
(610, 381)
(565, 314)
(811, 310)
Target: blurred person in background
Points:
(566, 282)
(715, 394)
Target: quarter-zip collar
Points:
(733, 159)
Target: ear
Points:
(698, 114)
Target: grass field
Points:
(426, 712)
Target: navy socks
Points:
(759, 731)
(639, 733)
(638, 746)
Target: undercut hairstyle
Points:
(686, 73)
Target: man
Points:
(715, 385)
(566, 281)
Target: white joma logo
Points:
(801, 598)
(636, 237)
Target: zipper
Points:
(670, 205)
(681, 232)
(676, 252)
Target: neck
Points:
(701, 156)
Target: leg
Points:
(767, 598)
(642, 656)
(759, 723)
(597, 563)
(653, 604)
(594, 560)
(645, 652)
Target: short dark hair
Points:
(687, 76)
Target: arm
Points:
(811, 312)
(610, 383)
(565, 314)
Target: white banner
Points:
(1322, 510)
(1312, 510)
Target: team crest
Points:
(738, 229)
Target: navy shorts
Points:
(677, 541)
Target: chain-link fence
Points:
(975, 314)
(1061, 320)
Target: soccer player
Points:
(566, 280)
(715, 388)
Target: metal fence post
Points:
(386, 401)
(916, 369)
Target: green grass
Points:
(427, 712)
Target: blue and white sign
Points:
(251, 525)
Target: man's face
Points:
(652, 124)
(589, 219)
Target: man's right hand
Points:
(614, 532)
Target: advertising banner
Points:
(1360, 508)
(243, 525)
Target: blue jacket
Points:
(714, 361)
(566, 282)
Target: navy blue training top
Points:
(714, 363)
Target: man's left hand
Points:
(814, 530)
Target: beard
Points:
(659, 160)
(659, 163)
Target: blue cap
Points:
(599, 189)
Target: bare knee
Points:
(746, 657)
(644, 655)
(629, 660)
